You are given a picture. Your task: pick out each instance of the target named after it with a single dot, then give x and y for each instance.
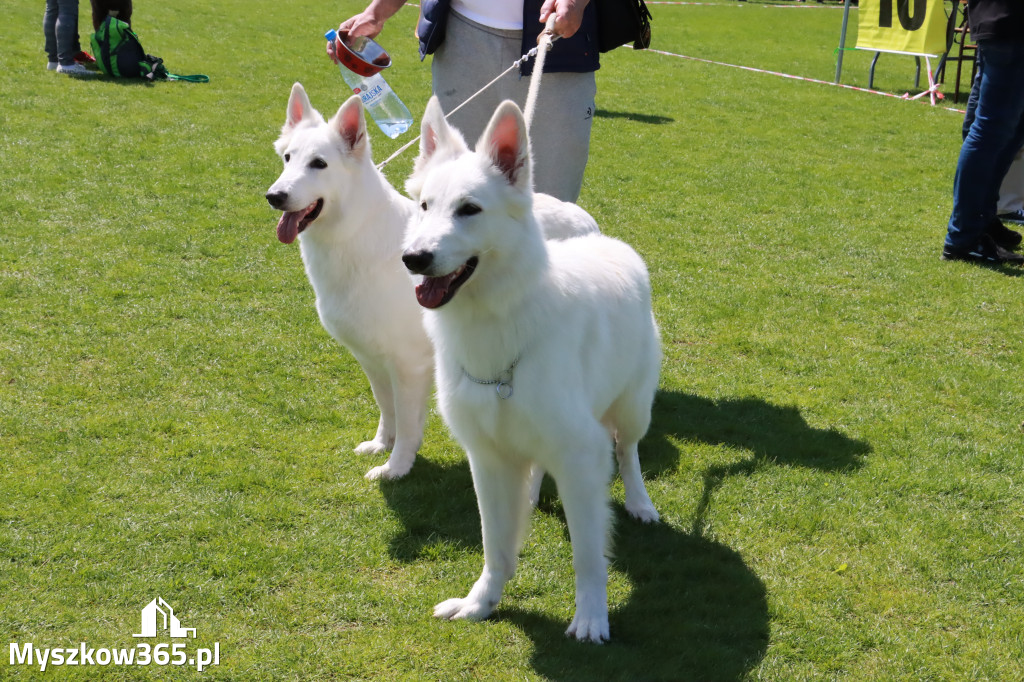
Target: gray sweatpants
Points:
(471, 56)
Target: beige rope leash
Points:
(547, 37)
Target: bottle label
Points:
(369, 95)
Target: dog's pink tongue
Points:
(288, 226)
(431, 291)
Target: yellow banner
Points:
(911, 26)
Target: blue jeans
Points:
(996, 133)
(60, 29)
(972, 99)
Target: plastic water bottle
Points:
(386, 109)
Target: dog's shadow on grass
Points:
(772, 434)
(437, 506)
(696, 610)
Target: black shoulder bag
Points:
(622, 21)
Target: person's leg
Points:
(560, 128)
(1003, 162)
(471, 56)
(50, 31)
(99, 13)
(76, 45)
(1011, 191)
(989, 147)
(972, 99)
(560, 133)
(124, 11)
(66, 30)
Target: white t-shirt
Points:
(504, 14)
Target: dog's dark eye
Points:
(287, 158)
(318, 163)
(423, 206)
(467, 209)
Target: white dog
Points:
(547, 353)
(350, 223)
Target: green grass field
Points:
(836, 450)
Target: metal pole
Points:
(842, 40)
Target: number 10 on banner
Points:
(918, 27)
(910, 20)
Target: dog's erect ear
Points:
(433, 118)
(436, 134)
(438, 140)
(299, 108)
(350, 125)
(507, 145)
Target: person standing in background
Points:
(994, 135)
(60, 32)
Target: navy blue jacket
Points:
(577, 54)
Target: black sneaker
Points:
(1002, 235)
(985, 252)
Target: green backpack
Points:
(119, 54)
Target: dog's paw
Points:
(589, 629)
(387, 472)
(371, 447)
(643, 512)
(457, 609)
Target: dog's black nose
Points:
(417, 262)
(277, 199)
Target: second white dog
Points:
(547, 354)
(350, 223)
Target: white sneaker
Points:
(51, 66)
(73, 70)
